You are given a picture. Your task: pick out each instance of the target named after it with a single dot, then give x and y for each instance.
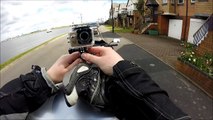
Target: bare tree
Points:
(140, 20)
(140, 8)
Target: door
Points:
(175, 28)
(195, 24)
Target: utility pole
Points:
(112, 11)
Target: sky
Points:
(24, 16)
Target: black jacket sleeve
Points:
(24, 94)
(134, 95)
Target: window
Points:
(172, 1)
(180, 1)
(193, 1)
(164, 1)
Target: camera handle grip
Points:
(80, 49)
(85, 48)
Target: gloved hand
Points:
(88, 82)
(70, 81)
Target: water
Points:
(15, 46)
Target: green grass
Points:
(119, 30)
(3, 65)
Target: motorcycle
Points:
(58, 106)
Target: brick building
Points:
(188, 20)
(180, 19)
(182, 13)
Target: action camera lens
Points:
(84, 36)
(81, 36)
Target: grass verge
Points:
(3, 65)
(119, 30)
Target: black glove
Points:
(89, 82)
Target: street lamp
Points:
(112, 16)
(81, 18)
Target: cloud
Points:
(20, 17)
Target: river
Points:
(15, 46)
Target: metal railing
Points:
(203, 30)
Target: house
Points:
(132, 14)
(181, 14)
(151, 10)
(136, 20)
(183, 19)
(119, 14)
(187, 20)
(113, 13)
(122, 14)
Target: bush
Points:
(204, 63)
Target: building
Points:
(136, 20)
(132, 14)
(113, 13)
(186, 20)
(122, 14)
(183, 19)
(177, 15)
(119, 13)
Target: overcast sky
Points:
(20, 17)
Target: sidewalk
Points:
(146, 51)
(165, 48)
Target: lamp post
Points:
(112, 16)
(81, 18)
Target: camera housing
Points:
(81, 37)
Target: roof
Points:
(151, 3)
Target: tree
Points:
(140, 8)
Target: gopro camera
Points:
(81, 37)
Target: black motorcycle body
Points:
(56, 108)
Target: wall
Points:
(166, 8)
(163, 24)
(199, 79)
(206, 45)
(185, 28)
(181, 8)
(204, 7)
